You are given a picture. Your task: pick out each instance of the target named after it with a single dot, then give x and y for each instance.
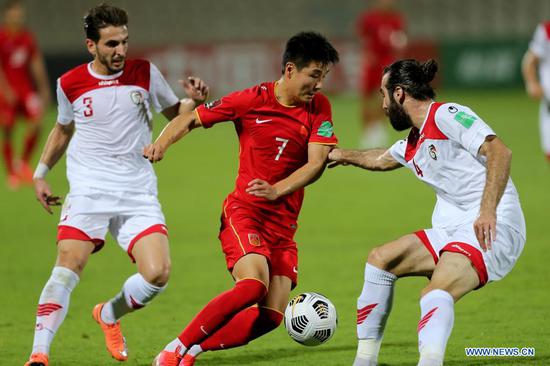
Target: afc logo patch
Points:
(254, 239)
(432, 151)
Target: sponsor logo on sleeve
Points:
(254, 239)
(452, 109)
(326, 129)
(213, 104)
(465, 119)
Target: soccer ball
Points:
(310, 319)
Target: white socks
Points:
(176, 346)
(373, 308)
(135, 294)
(374, 136)
(52, 307)
(195, 350)
(435, 326)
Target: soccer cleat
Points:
(188, 360)
(25, 173)
(38, 359)
(115, 342)
(167, 358)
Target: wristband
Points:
(41, 171)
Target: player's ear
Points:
(399, 94)
(290, 68)
(91, 46)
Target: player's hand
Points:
(535, 90)
(260, 188)
(335, 157)
(195, 89)
(153, 152)
(485, 228)
(44, 195)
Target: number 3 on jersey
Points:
(281, 147)
(88, 112)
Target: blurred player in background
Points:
(24, 90)
(285, 134)
(382, 34)
(105, 119)
(478, 228)
(536, 73)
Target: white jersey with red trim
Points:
(540, 46)
(113, 122)
(444, 154)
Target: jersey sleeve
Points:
(65, 113)
(540, 44)
(227, 108)
(161, 94)
(397, 150)
(322, 131)
(461, 124)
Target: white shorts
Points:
(127, 216)
(491, 265)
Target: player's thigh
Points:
(278, 293)
(152, 256)
(406, 256)
(251, 265)
(74, 254)
(455, 274)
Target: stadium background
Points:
(233, 44)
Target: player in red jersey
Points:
(382, 34)
(24, 89)
(285, 134)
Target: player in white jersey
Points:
(478, 229)
(105, 118)
(536, 74)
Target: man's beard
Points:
(399, 118)
(104, 61)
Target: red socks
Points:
(30, 144)
(244, 327)
(8, 156)
(222, 308)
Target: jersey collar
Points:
(103, 77)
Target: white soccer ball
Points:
(310, 319)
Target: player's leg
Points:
(53, 304)
(544, 124)
(33, 110)
(250, 323)
(453, 277)
(374, 132)
(7, 121)
(406, 256)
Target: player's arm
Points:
(197, 92)
(499, 160)
(40, 76)
(5, 88)
(529, 69)
(55, 147)
(307, 174)
(175, 130)
(371, 159)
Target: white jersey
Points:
(444, 154)
(113, 123)
(540, 46)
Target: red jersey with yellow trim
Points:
(273, 139)
(16, 53)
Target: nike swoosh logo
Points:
(263, 120)
(204, 330)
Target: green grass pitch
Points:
(345, 214)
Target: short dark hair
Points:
(414, 77)
(8, 5)
(305, 47)
(102, 16)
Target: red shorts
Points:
(28, 105)
(243, 231)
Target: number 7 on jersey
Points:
(282, 147)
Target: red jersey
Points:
(375, 28)
(16, 52)
(273, 140)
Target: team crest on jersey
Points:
(213, 104)
(432, 151)
(254, 239)
(137, 97)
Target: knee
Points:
(379, 258)
(157, 274)
(72, 260)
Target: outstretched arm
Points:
(499, 160)
(197, 92)
(529, 70)
(55, 147)
(307, 174)
(372, 159)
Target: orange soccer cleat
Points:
(115, 342)
(188, 360)
(38, 359)
(167, 358)
(25, 173)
